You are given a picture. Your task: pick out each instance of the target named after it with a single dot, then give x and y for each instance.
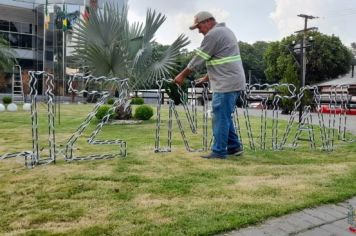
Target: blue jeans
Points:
(225, 137)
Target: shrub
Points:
(6, 100)
(137, 101)
(102, 111)
(110, 101)
(143, 112)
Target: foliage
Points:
(7, 55)
(111, 46)
(327, 58)
(271, 58)
(252, 59)
(102, 111)
(143, 112)
(6, 100)
(110, 101)
(137, 101)
(290, 76)
(174, 94)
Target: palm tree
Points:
(109, 45)
(7, 59)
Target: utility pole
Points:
(249, 77)
(303, 61)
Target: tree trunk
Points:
(124, 112)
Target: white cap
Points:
(200, 17)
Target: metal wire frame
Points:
(306, 124)
(191, 116)
(34, 157)
(36, 153)
(340, 101)
(122, 86)
(297, 104)
(249, 94)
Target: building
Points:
(24, 25)
(326, 86)
(30, 33)
(333, 94)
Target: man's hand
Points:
(179, 79)
(202, 80)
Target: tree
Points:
(327, 58)
(252, 58)
(111, 46)
(7, 58)
(353, 48)
(277, 58)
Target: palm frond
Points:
(161, 68)
(136, 30)
(153, 22)
(143, 55)
(165, 65)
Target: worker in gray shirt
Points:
(220, 52)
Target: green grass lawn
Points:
(149, 193)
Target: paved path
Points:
(327, 220)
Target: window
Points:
(19, 35)
(14, 40)
(25, 41)
(20, 40)
(4, 25)
(26, 28)
(15, 27)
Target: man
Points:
(221, 54)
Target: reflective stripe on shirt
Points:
(202, 54)
(223, 60)
(220, 61)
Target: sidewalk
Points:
(326, 220)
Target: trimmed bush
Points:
(6, 100)
(110, 101)
(102, 111)
(143, 112)
(137, 101)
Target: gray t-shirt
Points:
(221, 54)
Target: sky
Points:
(251, 20)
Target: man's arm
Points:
(179, 79)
